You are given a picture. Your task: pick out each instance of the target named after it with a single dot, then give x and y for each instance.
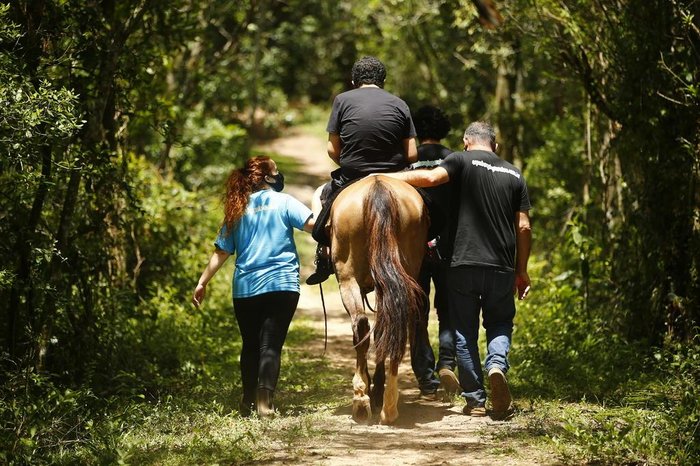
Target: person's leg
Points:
(447, 361)
(321, 211)
(464, 304)
(249, 324)
(446, 331)
(277, 311)
(499, 311)
(422, 357)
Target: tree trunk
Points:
(507, 106)
(30, 16)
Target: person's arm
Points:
(421, 178)
(523, 239)
(215, 262)
(309, 225)
(334, 147)
(410, 149)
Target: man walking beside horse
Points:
(489, 261)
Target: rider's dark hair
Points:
(368, 70)
(431, 123)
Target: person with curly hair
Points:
(369, 131)
(258, 227)
(432, 125)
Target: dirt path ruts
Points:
(427, 432)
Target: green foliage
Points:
(600, 399)
(200, 423)
(596, 394)
(650, 421)
(634, 67)
(210, 144)
(42, 423)
(679, 397)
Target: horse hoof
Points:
(361, 410)
(388, 418)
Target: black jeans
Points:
(264, 321)
(422, 355)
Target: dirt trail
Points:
(427, 432)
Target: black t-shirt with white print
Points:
(491, 192)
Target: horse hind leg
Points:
(391, 395)
(361, 406)
(377, 393)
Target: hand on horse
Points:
(198, 296)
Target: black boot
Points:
(246, 407)
(324, 267)
(264, 403)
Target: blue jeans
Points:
(471, 291)
(422, 356)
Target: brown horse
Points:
(378, 231)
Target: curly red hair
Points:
(241, 183)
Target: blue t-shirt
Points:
(263, 241)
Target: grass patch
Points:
(589, 433)
(196, 429)
(205, 437)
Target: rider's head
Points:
(368, 70)
(431, 123)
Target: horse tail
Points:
(398, 295)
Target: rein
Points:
(365, 301)
(325, 320)
(364, 297)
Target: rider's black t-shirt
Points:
(491, 192)
(372, 124)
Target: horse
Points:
(378, 232)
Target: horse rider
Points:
(370, 131)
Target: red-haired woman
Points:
(258, 228)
